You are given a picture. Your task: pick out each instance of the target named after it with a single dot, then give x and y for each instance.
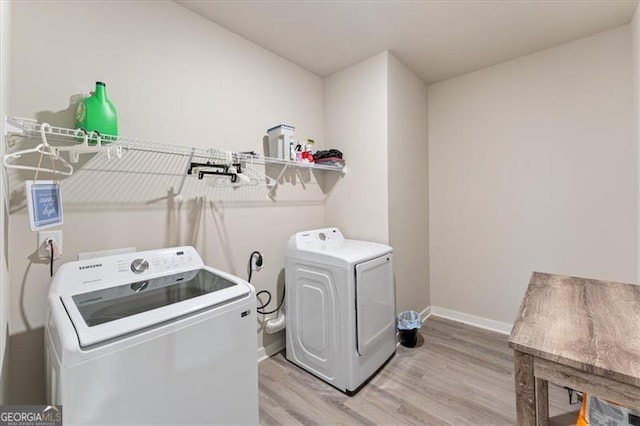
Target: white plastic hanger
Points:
(44, 149)
(85, 148)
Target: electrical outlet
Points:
(43, 246)
(257, 262)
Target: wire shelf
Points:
(31, 128)
(131, 171)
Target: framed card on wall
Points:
(45, 204)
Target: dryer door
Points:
(375, 302)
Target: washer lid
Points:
(111, 312)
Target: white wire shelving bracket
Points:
(119, 145)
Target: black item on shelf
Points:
(219, 169)
(327, 154)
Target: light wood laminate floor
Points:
(457, 375)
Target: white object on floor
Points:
(274, 325)
(152, 337)
(340, 300)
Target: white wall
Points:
(5, 10)
(533, 167)
(375, 113)
(356, 124)
(408, 189)
(175, 77)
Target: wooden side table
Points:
(575, 332)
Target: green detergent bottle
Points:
(97, 113)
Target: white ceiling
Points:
(436, 39)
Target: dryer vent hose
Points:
(275, 324)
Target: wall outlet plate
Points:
(43, 249)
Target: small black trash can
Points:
(409, 323)
(409, 338)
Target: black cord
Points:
(258, 263)
(258, 294)
(51, 261)
(260, 309)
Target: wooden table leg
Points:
(542, 400)
(525, 389)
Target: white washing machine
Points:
(340, 306)
(152, 337)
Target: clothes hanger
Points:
(85, 148)
(43, 149)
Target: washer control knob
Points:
(138, 266)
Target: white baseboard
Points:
(426, 313)
(489, 324)
(270, 350)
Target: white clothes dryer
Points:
(340, 295)
(152, 337)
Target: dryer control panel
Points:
(319, 239)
